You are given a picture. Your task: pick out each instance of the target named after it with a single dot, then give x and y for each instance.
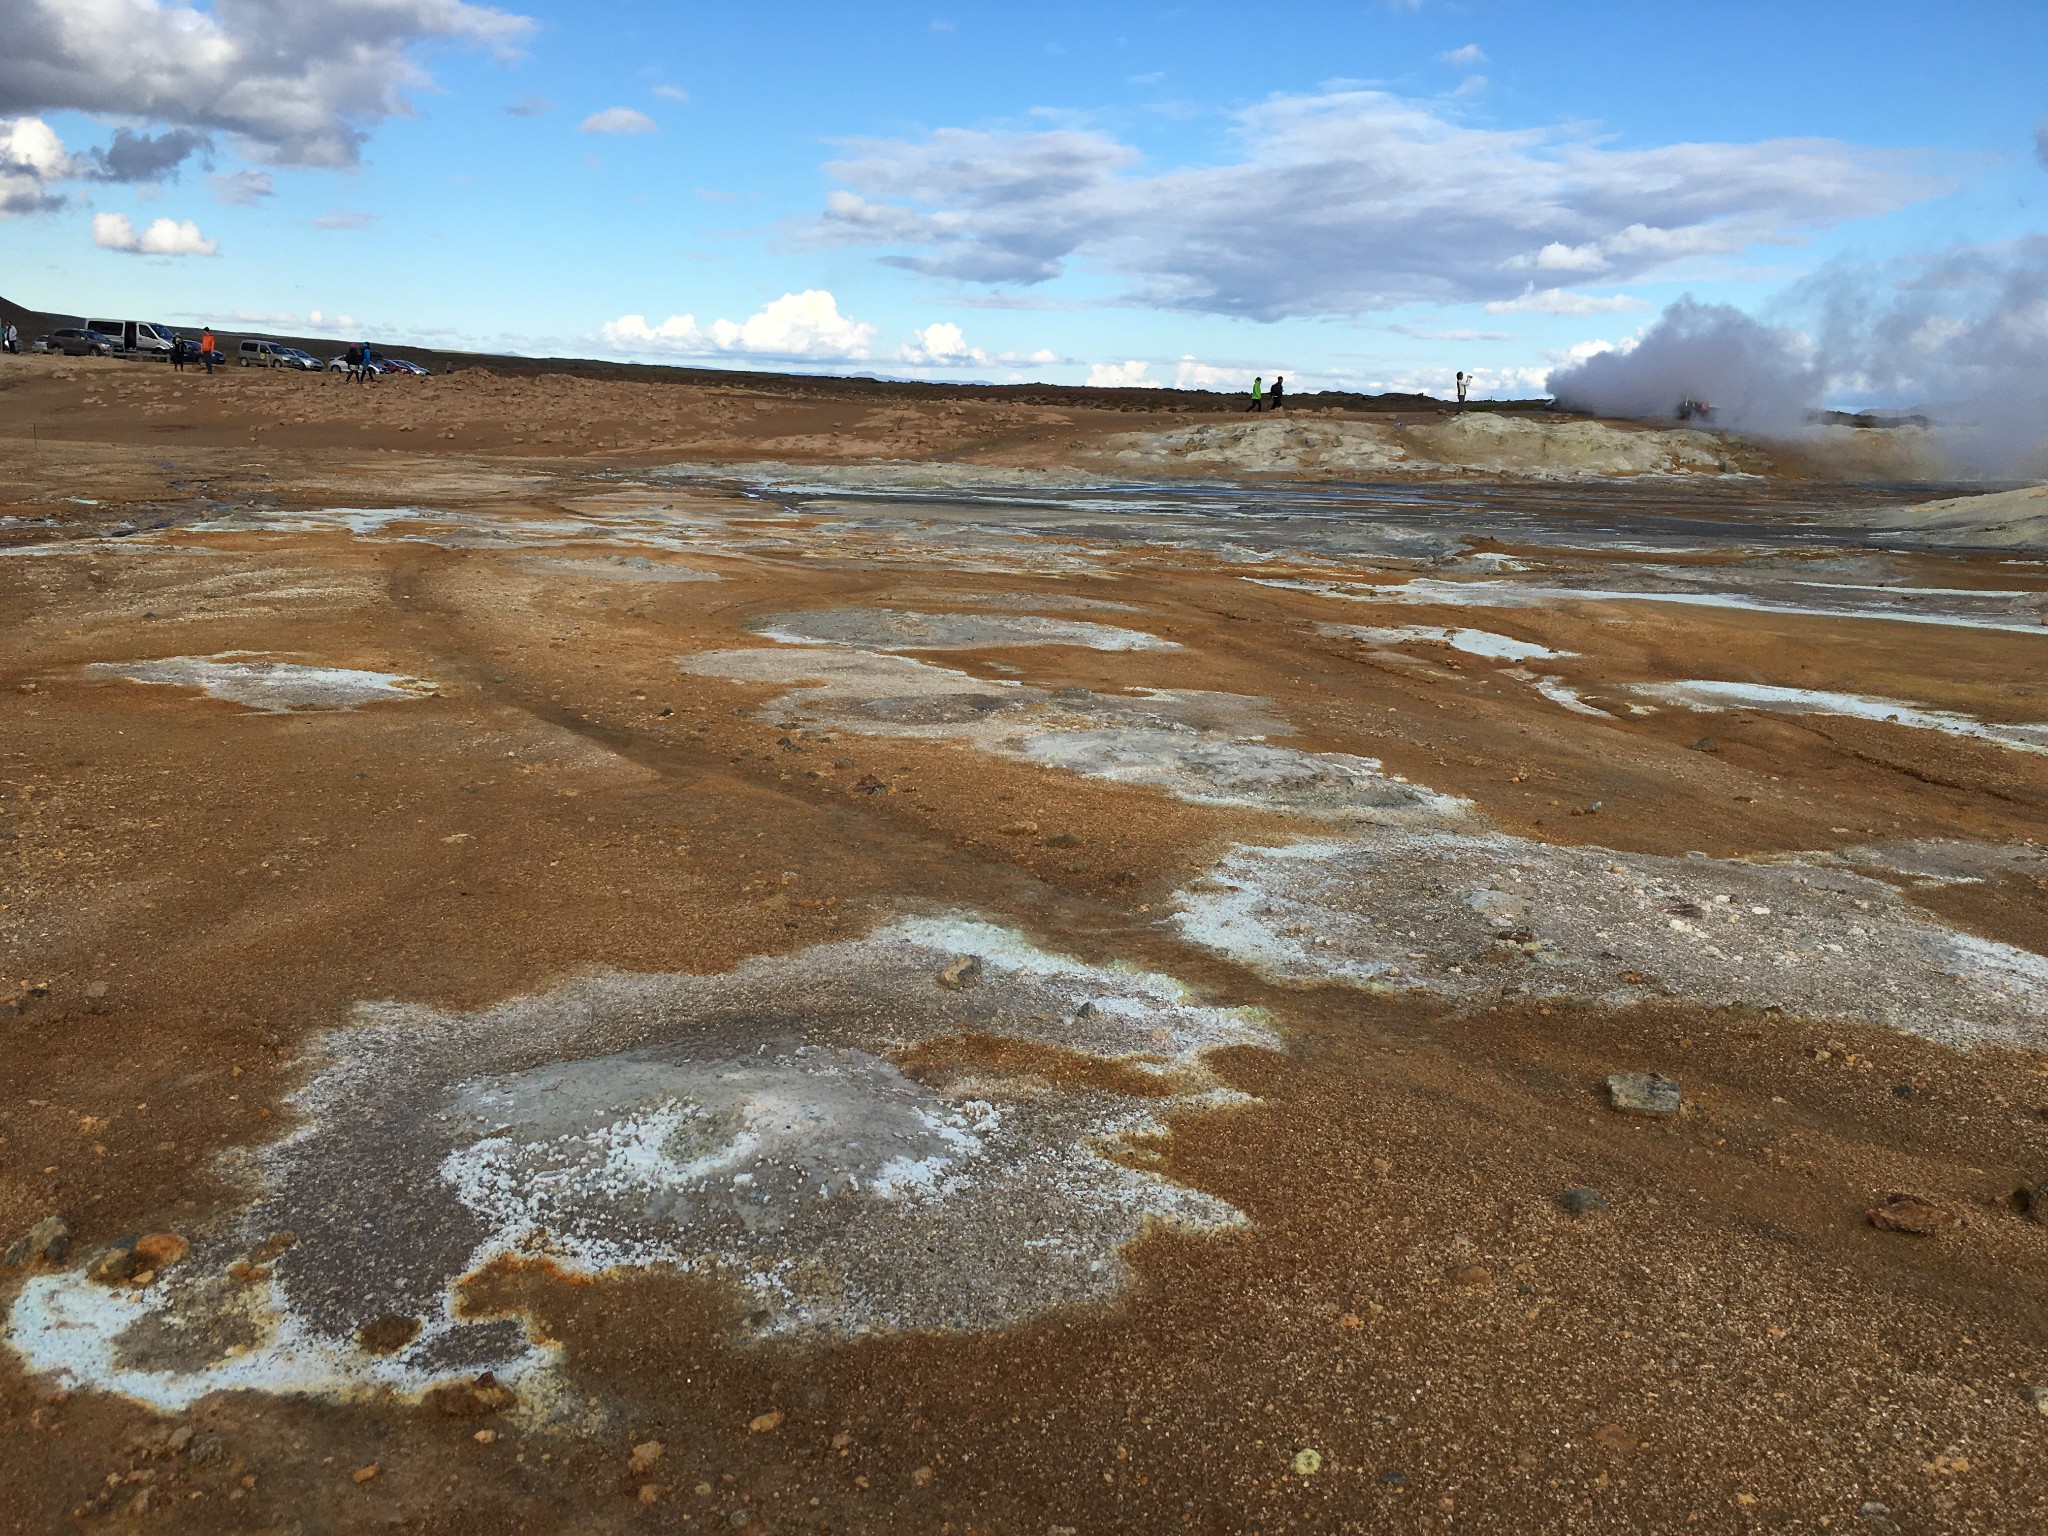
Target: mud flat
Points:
(839, 966)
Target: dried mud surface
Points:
(683, 958)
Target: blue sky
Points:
(1358, 195)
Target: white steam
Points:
(1961, 337)
(1753, 379)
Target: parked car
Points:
(340, 365)
(81, 341)
(264, 354)
(304, 361)
(42, 344)
(135, 338)
(403, 365)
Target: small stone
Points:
(160, 1250)
(765, 1423)
(484, 1436)
(961, 974)
(1877, 1516)
(1642, 1093)
(648, 1493)
(922, 1477)
(2034, 1201)
(1477, 1276)
(48, 1239)
(2039, 1397)
(1614, 1438)
(1351, 1322)
(1018, 828)
(364, 1474)
(1899, 1212)
(645, 1455)
(1308, 1461)
(1063, 840)
(387, 1335)
(1706, 744)
(1394, 1477)
(114, 1265)
(1581, 1201)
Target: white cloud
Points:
(243, 188)
(805, 326)
(1120, 375)
(1455, 333)
(1343, 202)
(33, 160)
(1466, 57)
(941, 342)
(346, 218)
(1562, 301)
(671, 93)
(1189, 374)
(530, 106)
(617, 120)
(295, 84)
(165, 237)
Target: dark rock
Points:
(1706, 744)
(114, 1264)
(1581, 1201)
(387, 1335)
(1063, 840)
(48, 1239)
(1394, 1477)
(1642, 1093)
(961, 974)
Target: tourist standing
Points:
(1464, 384)
(206, 347)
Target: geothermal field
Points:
(614, 955)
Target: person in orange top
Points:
(206, 347)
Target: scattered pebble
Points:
(1308, 1461)
(1477, 1276)
(1642, 1093)
(764, 1423)
(644, 1457)
(963, 973)
(364, 1474)
(1909, 1213)
(160, 1250)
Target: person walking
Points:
(1464, 385)
(11, 338)
(1258, 394)
(177, 353)
(1279, 397)
(206, 347)
(353, 359)
(369, 373)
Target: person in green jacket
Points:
(1258, 394)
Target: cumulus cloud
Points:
(243, 189)
(294, 84)
(1466, 57)
(941, 342)
(165, 237)
(617, 120)
(1126, 375)
(798, 326)
(671, 93)
(33, 160)
(1343, 202)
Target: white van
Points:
(266, 354)
(135, 338)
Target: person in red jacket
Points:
(206, 347)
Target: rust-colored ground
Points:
(191, 893)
